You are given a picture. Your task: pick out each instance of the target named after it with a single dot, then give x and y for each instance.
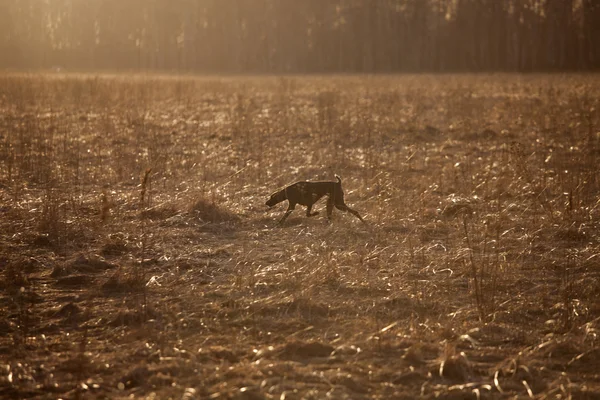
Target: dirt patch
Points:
(304, 351)
(209, 211)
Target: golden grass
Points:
(476, 275)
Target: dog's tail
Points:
(338, 178)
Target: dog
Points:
(308, 193)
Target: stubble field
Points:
(137, 256)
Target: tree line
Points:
(301, 36)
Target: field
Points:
(138, 259)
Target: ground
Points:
(138, 259)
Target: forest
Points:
(309, 36)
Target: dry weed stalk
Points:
(483, 274)
(475, 273)
(81, 361)
(52, 220)
(145, 187)
(105, 206)
(20, 337)
(139, 272)
(568, 294)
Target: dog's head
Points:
(277, 197)
(272, 200)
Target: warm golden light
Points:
(300, 36)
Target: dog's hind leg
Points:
(309, 213)
(344, 207)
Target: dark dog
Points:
(308, 193)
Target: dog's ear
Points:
(338, 178)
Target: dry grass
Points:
(138, 257)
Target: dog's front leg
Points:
(309, 213)
(329, 207)
(291, 208)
